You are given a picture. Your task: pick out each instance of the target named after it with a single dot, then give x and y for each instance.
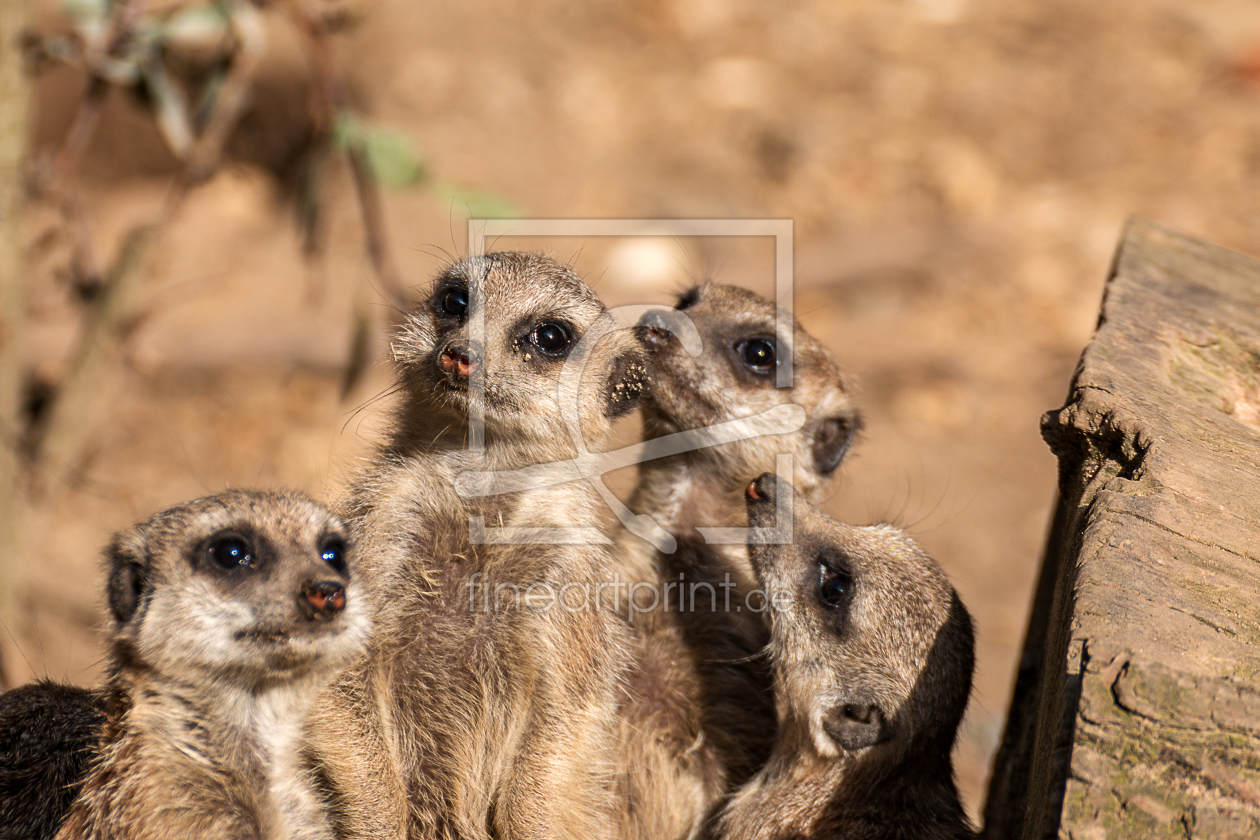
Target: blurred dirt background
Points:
(958, 172)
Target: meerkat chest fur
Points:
(254, 739)
(275, 719)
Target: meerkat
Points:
(228, 615)
(487, 708)
(873, 655)
(48, 735)
(698, 717)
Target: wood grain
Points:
(1136, 712)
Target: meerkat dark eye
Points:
(758, 354)
(551, 338)
(834, 586)
(232, 552)
(688, 298)
(334, 554)
(455, 302)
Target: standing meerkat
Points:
(487, 706)
(698, 717)
(873, 655)
(228, 615)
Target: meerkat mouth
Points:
(453, 384)
(265, 635)
(677, 410)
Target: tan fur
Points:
(698, 716)
(870, 685)
(212, 672)
(485, 717)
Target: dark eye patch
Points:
(333, 553)
(835, 586)
(229, 551)
(688, 298)
(452, 302)
(758, 354)
(552, 338)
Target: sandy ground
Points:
(957, 172)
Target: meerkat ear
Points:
(127, 576)
(625, 386)
(831, 441)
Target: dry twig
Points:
(119, 307)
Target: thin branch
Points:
(369, 193)
(119, 307)
(57, 178)
(229, 103)
(328, 99)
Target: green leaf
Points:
(476, 204)
(346, 130)
(85, 10)
(389, 154)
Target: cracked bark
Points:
(1136, 712)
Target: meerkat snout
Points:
(459, 359)
(323, 599)
(654, 332)
(856, 725)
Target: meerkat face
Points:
(245, 587)
(522, 336)
(735, 376)
(871, 645)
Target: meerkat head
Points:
(522, 337)
(735, 376)
(871, 646)
(245, 588)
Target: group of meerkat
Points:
(405, 669)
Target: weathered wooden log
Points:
(1136, 712)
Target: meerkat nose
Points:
(323, 599)
(653, 330)
(458, 358)
(759, 489)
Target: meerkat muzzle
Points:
(760, 489)
(856, 726)
(323, 599)
(459, 359)
(654, 332)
